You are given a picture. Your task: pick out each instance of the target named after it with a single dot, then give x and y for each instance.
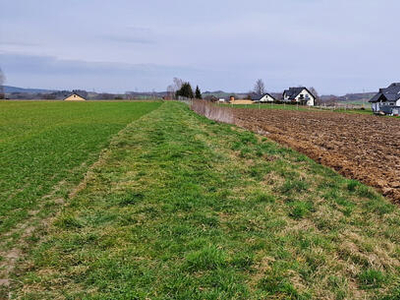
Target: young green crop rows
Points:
(44, 143)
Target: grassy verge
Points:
(181, 207)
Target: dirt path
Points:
(363, 147)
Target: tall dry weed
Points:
(213, 112)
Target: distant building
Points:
(387, 100)
(242, 101)
(75, 97)
(299, 95)
(262, 98)
(211, 98)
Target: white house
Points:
(262, 98)
(299, 95)
(387, 100)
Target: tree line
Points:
(183, 89)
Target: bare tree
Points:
(177, 83)
(170, 91)
(315, 93)
(2, 80)
(259, 87)
(174, 87)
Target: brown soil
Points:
(362, 147)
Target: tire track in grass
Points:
(15, 243)
(47, 142)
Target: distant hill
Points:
(222, 94)
(355, 98)
(13, 89)
(32, 93)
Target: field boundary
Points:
(325, 151)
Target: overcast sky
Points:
(336, 46)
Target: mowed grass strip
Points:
(45, 142)
(185, 208)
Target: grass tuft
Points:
(300, 209)
(208, 258)
(371, 279)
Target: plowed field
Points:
(362, 147)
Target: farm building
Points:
(242, 101)
(299, 95)
(387, 100)
(75, 97)
(263, 98)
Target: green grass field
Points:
(46, 143)
(180, 207)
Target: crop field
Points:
(43, 143)
(181, 207)
(45, 150)
(274, 106)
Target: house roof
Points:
(256, 97)
(75, 93)
(391, 93)
(293, 92)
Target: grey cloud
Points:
(139, 29)
(336, 46)
(19, 44)
(131, 35)
(31, 70)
